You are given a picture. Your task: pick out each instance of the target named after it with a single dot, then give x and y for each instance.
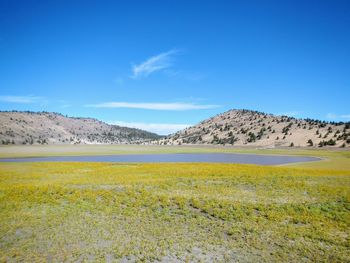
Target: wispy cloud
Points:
(336, 116)
(159, 128)
(176, 106)
(21, 99)
(159, 62)
(331, 116)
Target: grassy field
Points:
(172, 212)
(105, 212)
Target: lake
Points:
(171, 158)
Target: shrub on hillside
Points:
(310, 142)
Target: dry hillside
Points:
(54, 128)
(245, 127)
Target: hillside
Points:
(54, 128)
(253, 128)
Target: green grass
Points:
(188, 212)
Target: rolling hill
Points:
(253, 128)
(54, 128)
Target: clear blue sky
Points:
(162, 65)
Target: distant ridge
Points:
(26, 127)
(254, 128)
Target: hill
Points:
(246, 127)
(54, 128)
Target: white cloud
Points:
(336, 116)
(176, 106)
(20, 99)
(331, 116)
(159, 128)
(153, 64)
(290, 113)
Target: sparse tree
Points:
(331, 142)
(310, 142)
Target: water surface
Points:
(177, 158)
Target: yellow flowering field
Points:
(106, 212)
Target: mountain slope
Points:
(246, 127)
(54, 128)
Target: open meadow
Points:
(175, 212)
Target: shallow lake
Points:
(178, 158)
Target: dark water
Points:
(178, 158)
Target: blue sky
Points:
(162, 65)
